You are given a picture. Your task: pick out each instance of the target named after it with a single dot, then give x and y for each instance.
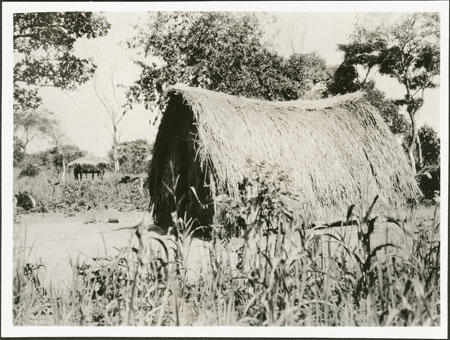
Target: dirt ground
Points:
(58, 240)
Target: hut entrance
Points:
(179, 184)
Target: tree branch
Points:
(369, 68)
(29, 35)
(102, 100)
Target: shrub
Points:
(265, 202)
(430, 177)
(25, 201)
(30, 170)
(430, 184)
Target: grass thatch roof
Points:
(89, 160)
(336, 151)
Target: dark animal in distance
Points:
(128, 179)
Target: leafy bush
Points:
(30, 170)
(430, 184)
(429, 175)
(25, 201)
(265, 201)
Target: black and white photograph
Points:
(267, 167)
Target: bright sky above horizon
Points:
(84, 119)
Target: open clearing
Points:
(58, 240)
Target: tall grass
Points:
(279, 271)
(52, 195)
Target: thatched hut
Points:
(89, 165)
(336, 152)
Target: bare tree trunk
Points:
(115, 110)
(25, 144)
(60, 150)
(64, 170)
(413, 141)
(303, 34)
(419, 151)
(141, 185)
(115, 149)
(295, 29)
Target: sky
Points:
(86, 122)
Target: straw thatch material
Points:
(89, 160)
(336, 152)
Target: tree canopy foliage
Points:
(52, 158)
(133, 156)
(308, 71)
(218, 51)
(429, 173)
(407, 51)
(43, 46)
(30, 125)
(431, 145)
(388, 109)
(345, 80)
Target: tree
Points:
(133, 156)
(388, 109)
(431, 146)
(52, 159)
(59, 140)
(307, 71)
(18, 151)
(345, 80)
(44, 159)
(429, 173)
(32, 124)
(69, 153)
(109, 96)
(295, 31)
(407, 51)
(43, 46)
(214, 50)
(430, 183)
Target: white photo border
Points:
(7, 328)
